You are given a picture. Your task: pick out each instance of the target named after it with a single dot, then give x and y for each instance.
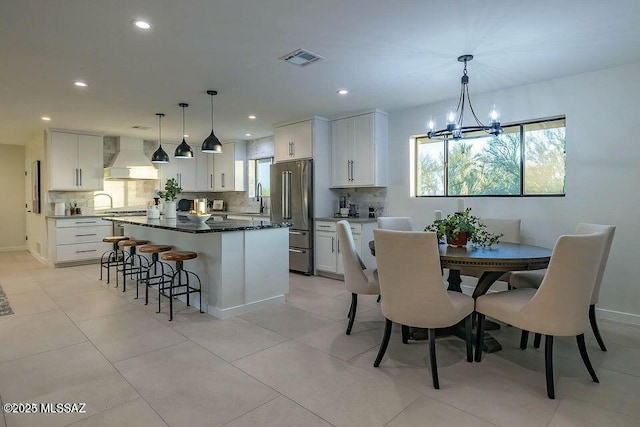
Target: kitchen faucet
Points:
(259, 196)
(108, 195)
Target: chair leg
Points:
(468, 325)
(479, 336)
(536, 340)
(585, 358)
(388, 324)
(405, 334)
(548, 365)
(352, 312)
(594, 327)
(524, 339)
(432, 358)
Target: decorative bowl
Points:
(199, 218)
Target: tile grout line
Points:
(114, 367)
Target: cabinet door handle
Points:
(324, 226)
(333, 241)
(76, 177)
(211, 177)
(298, 233)
(293, 148)
(223, 181)
(298, 251)
(352, 170)
(84, 235)
(85, 222)
(89, 250)
(80, 177)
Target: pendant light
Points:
(160, 156)
(183, 151)
(212, 144)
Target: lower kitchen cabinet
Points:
(328, 255)
(77, 240)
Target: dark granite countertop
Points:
(184, 225)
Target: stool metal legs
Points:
(165, 276)
(111, 259)
(179, 274)
(130, 268)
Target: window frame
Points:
(414, 167)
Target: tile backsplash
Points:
(364, 198)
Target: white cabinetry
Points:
(75, 161)
(79, 239)
(296, 140)
(183, 170)
(328, 247)
(359, 150)
(230, 167)
(204, 166)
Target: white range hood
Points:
(130, 162)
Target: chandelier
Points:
(455, 116)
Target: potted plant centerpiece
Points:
(462, 227)
(171, 191)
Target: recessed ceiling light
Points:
(143, 25)
(252, 117)
(80, 84)
(46, 119)
(247, 134)
(343, 92)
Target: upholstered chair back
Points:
(400, 223)
(560, 306)
(411, 284)
(609, 231)
(355, 279)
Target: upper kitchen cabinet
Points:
(230, 167)
(204, 180)
(183, 170)
(297, 140)
(359, 150)
(75, 161)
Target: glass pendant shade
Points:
(160, 156)
(183, 151)
(212, 144)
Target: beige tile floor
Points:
(74, 338)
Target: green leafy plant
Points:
(171, 190)
(463, 222)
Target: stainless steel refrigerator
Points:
(292, 201)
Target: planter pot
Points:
(170, 210)
(459, 240)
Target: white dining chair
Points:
(413, 292)
(533, 279)
(558, 307)
(358, 279)
(400, 223)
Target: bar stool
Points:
(113, 257)
(129, 265)
(179, 257)
(166, 271)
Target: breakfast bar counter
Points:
(243, 265)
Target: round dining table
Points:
(493, 262)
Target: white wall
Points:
(603, 170)
(12, 207)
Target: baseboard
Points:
(242, 309)
(39, 258)
(13, 249)
(618, 316)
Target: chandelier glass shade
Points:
(212, 144)
(183, 151)
(160, 156)
(455, 117)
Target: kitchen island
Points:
(243, 265)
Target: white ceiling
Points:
(389, 54)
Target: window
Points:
(260, 173)
(528, 159)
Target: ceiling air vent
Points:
(140, 127)
(301, 57)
